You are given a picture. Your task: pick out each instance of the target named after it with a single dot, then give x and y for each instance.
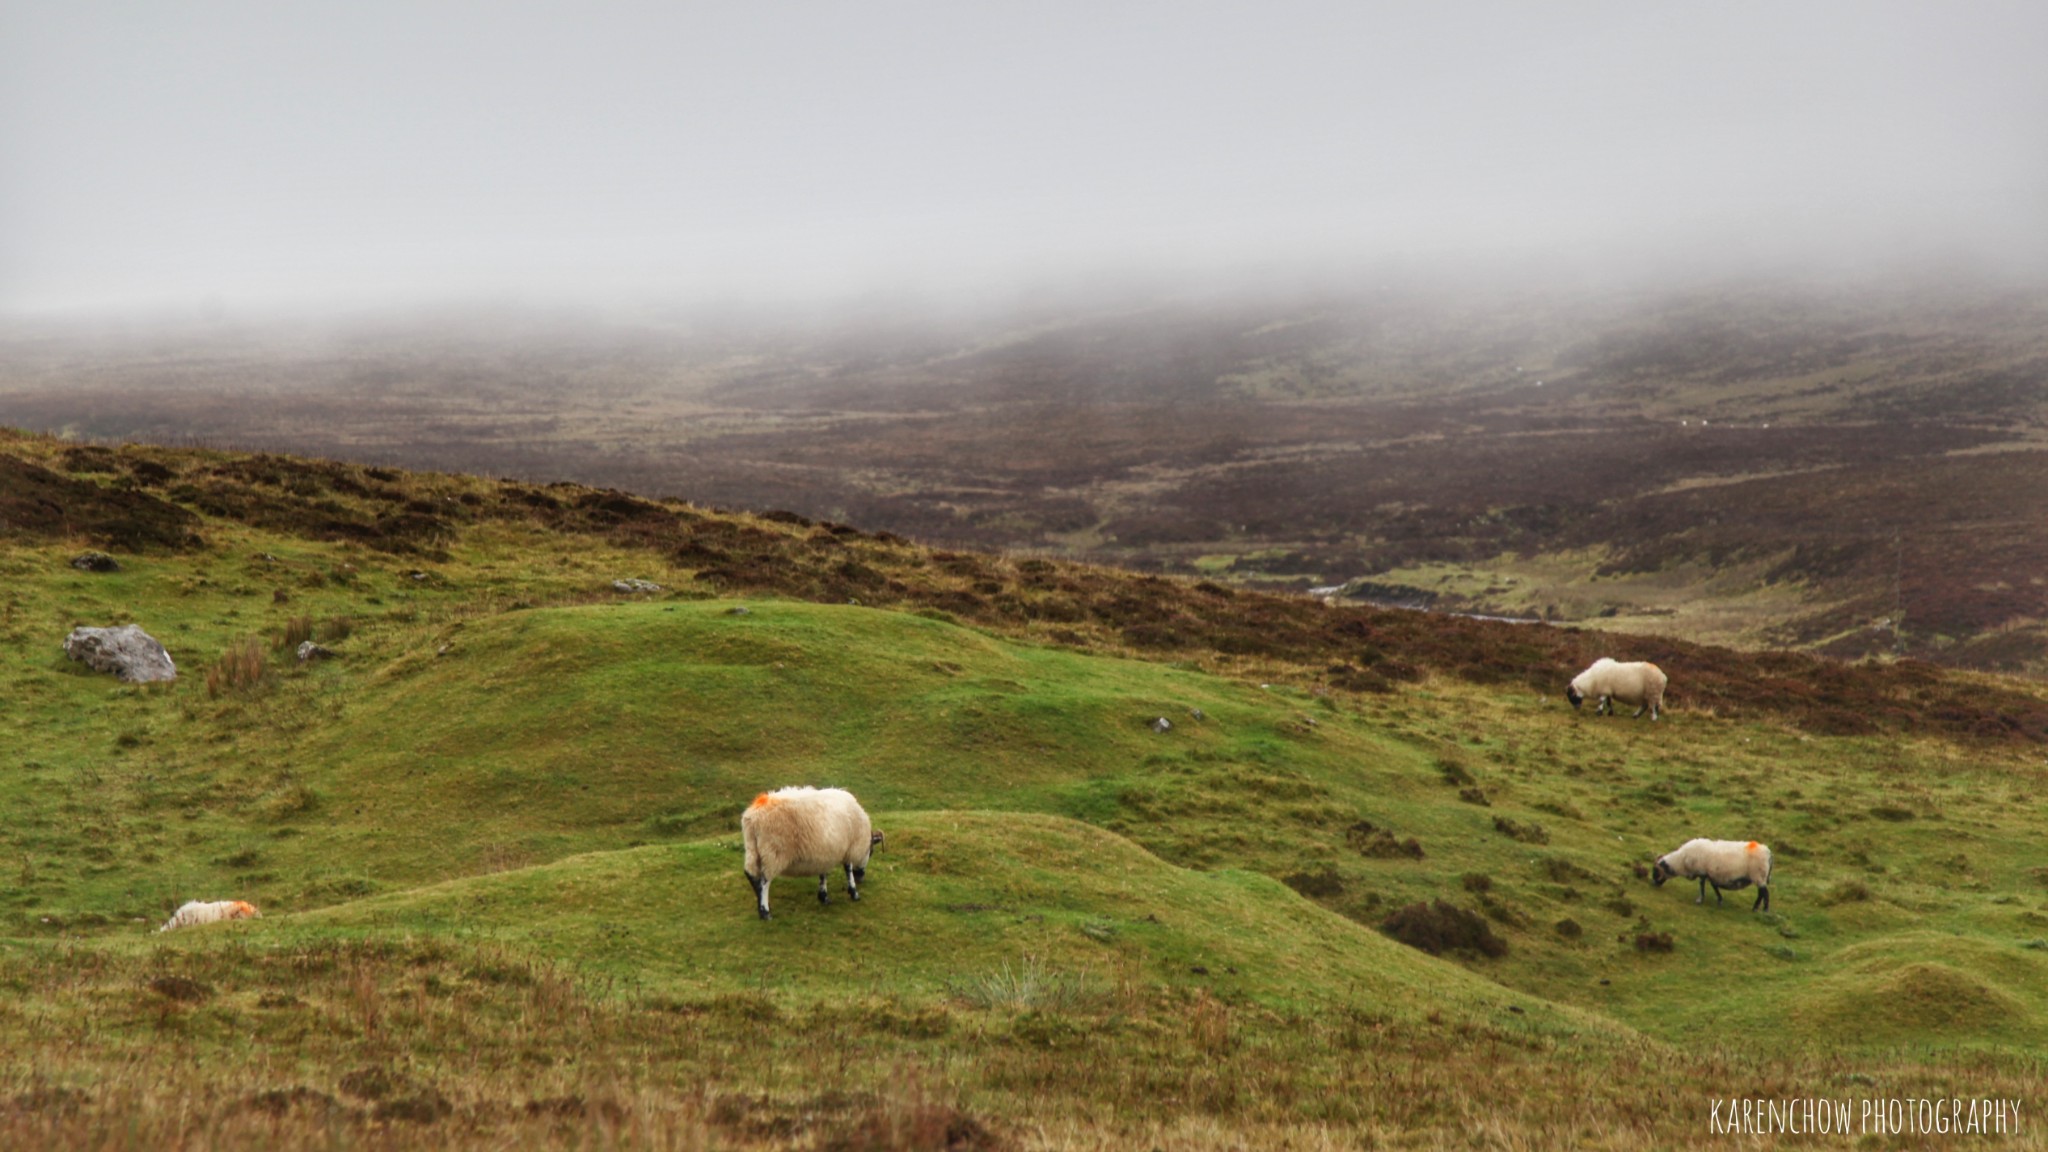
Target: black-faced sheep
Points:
(210, 912)
(1721, 863)
(806, 832)
(1640, 683)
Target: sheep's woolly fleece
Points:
(210, 912)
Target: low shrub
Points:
(1438, 927)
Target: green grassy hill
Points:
(495, 839)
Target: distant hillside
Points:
(1849, 469)
(138, 497)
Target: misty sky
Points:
(163, 154)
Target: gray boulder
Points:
(95, 562)
(311, 651)
(126, 651)
(635, 585)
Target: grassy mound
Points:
(980, 905)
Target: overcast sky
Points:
(168, 152)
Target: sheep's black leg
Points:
(1763, 898)
(760, 894)
(824, 897)
(1717, 892)
(853, 878)
(1639, 713)
(1703, 891)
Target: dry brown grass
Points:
(239, 669)
(407, 1046)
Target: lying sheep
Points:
(210, 912)
(1722, 863)
(1640, 683)
(806, 832)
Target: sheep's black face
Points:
(1572, 694)
(1660, 872)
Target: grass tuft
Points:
(1032, 985)
(239, 669)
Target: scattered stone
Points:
(1197, 713)
(742, 610)
(1162, 725)
(126, 651)
(311, 651)
(95, 562)
(635, 585)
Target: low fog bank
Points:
(1574, 295)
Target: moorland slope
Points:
(494, 839)
(1852, 468)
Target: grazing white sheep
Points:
(1722, 863)
(1640, 683)
(210, 912)
(806, 832)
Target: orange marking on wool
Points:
(243, 909)
(1753, 845)
(764, 800)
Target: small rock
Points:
(635, 585)
(311, 651)
(1162, 725)
(95, 562)
(126, 651)
(1197, 713)
(742, 610)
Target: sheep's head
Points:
(1660, 872)
(874, 842)
(1574, 695)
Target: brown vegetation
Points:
(1438, 927)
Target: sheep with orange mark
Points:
(210, 912)
(1721, 863)
(806, 832)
